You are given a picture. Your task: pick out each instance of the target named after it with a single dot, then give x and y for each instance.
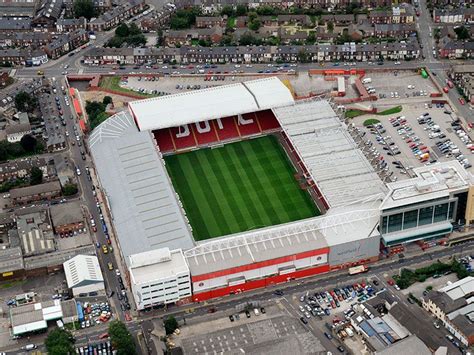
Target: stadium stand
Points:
(226, 128)
(214, 131)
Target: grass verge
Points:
(113, 83)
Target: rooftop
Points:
(156, 264)
(35, 233)
(82, 270)
(411, 345)
(431, 182)
(460, 289)
(34, 316)
(35, 189)
(11, 259)
(444, 302)
(66, 213)
(336, 164)
(215, 102)
(145, 210)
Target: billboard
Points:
(353, 251)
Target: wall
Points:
(201, 285)
(352, 252)
(95, 287)
(251, 285)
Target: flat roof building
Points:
(159, 277)
(35, 316)
(425, 206)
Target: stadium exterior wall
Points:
(243, 276)
(265, 282)
(355, 252)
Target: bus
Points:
(358, 269)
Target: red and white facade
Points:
(259, 274)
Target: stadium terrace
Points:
(238, 187)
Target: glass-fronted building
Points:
(426, 206)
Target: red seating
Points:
(164, 140)
(229, 128)
(248, 128)
(205, 137)
(267, 120)
(224, 129)
(183, 142)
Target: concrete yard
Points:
(274, 332)
(303, 84)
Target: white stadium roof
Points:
(216, 102)
(336, 164)
(144, 206)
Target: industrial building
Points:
(83, 275)
(156, 239)
(35, 316)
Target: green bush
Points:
(354, 113)
(371, 121)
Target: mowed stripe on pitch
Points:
(298, 202)
(238, 187)
(223, 195)
(227, 169)
(262, 167)
(182, 186)
(216, 222)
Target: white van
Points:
(256, 311)
(366, 81)
(30, 347)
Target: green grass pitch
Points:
(238, 187)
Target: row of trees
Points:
(129, 35)
(408, 277)
(61, 341)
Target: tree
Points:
(241, 10)
(70, 189)
(122, 30)
(84, 8)
(247, 39)
(107, 100)
(266, 10)
(227, 10)
(136, 40)
(330, 26)
(255, 24)
(115, 42)
(311, 39)
(303, 56)
(36, 176)
(462, 33)
(59, 342)
(226, 40)
(134, 30)
(178, 23)
(3, 151)
(28, 143)
(121, 338)
(171, 324)
(25, 102)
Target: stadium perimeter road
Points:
(229, 303)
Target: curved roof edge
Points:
(211, 103)
(113, 127)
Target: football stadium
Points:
(233, 188)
